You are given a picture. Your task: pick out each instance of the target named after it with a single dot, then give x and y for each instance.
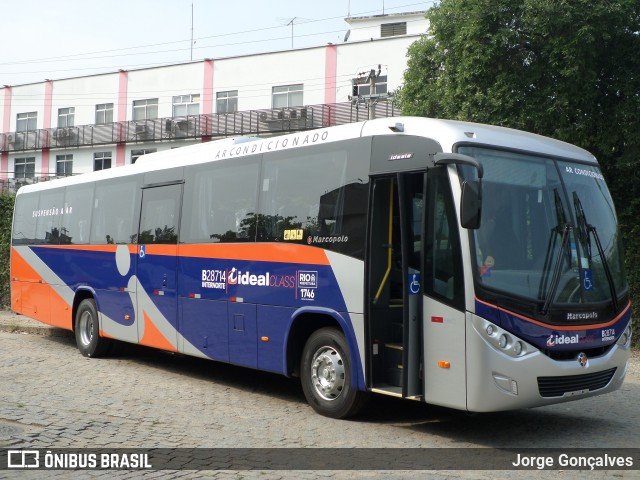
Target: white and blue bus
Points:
(463, 265)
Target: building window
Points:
(66, 117)
(286, 96)
(26, 122)
(64, 165)
(184, 105)
(135, 154)
(227, 102)
(101, 161)
(25, 167)
(393, 29)
(145, 109)
(362, 86)
(104, 113)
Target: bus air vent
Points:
(559, 386)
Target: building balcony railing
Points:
(249, 122)
(10, 184)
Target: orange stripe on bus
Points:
(38, 299)
(153, 338)
(21, 270)
(61, 315)
(257, 252)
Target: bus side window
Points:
(25, 217)
(114, 211)
(76, 220)
(221, 201)
(443, 268)
(49, 216)
(321, 193)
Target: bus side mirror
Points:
(471, 204)
(471, 201)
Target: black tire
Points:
(87, 330)
(325, 372)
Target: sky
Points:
(58, 39)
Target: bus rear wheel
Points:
(325, 371)
(87, 330)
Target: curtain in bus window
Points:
(113, 213)
(76, 221)
(222, 196)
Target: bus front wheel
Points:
(87, 330)
(325, 371)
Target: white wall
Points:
(84, 94)
(24, 99)
(367, 28)
(163, 83)
(254, 76)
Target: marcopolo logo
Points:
(554, 340)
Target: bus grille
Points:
(558, 386)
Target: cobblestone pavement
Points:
(52, 397)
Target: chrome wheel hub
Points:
(327, 373)
(86, 328)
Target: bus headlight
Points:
(625, 338)
(501, 340)
(517, 348)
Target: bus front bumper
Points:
(499, 379)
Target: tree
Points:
(6, 216)
(568, 69)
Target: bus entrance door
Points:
(394, 284)
(157, 306)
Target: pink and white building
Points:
(77, 125)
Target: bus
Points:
(463, 265)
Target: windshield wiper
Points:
(559, 229)
(555, 279)
(585, 230)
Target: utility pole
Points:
(191, 44)
(370, 79)
(372, 93)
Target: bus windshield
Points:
(549, 232)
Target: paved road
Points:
(52, 397)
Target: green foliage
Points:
(6, 216)
(565, 69)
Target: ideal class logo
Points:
(239, 277)
(554, 340)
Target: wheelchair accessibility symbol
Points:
(587, 280)
(414, 283)
(142, 252)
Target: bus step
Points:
(393, 364)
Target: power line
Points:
(72, 57)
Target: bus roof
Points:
(448, 133)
